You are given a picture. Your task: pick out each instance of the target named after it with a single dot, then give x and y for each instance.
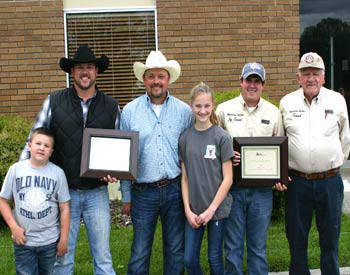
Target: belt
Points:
(160, 183)
(316, 176)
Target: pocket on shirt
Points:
(330, 126)
(266, 130)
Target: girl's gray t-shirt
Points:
(203, 153)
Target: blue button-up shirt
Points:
(158, 138)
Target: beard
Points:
(82, 86)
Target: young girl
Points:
(205, 151)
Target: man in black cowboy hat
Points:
(67, 113)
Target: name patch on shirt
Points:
(297, 113)
(329, 112)
(234, 117)
(265, 121)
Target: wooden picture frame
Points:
(264, 161)
(109, 152)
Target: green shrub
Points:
(221, 97)
(226, 95)
(13, 133)
(278, 197)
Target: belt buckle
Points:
(162, 182)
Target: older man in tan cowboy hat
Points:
(67, 113)
(160, 119)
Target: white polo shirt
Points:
(318, 133)
(263, 121)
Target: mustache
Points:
(156, 85)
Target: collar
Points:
(244, 105)
(74, 91)
(316, 98)
(148, 99)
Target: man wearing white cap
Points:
(316, 122)
(160, 119)
(249, 115)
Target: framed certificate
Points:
(264, 161)
(109, 152)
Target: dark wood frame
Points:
(282, 142)
(85, 170)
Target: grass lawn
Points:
(121, 237)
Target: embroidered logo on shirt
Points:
(265, 121)
(210, 152)
(326, 112)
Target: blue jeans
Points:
(93, 206)
(35, 260)
(147, 204)
(193, 242)
(249, 218)
(303, 197)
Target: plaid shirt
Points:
(44, 119)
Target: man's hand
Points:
(236, 159)
(109, 179)
(126, 208)
(280, 187)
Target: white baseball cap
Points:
(311, 60)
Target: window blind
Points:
(125, 37)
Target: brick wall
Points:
(213, 39)
(31, 43)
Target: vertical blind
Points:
(125, 37)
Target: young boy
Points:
(40, 222)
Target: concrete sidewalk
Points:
(343, 271)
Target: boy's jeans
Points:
(32, 260)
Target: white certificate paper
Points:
(109, 154)
(260, 162)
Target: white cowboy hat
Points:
(157, 60)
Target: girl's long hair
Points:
(204, 88)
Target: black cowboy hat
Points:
(84, 55)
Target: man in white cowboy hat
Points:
(317, 125)
(67, 113)
(160, 119)
(249, 115)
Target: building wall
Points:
(31, 43)
(213, 39)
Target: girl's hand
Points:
(191, 218)
(205, 217)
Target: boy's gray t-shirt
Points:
(36, 193)
(203, 153)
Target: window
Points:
(125, 37)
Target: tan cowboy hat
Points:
(156, 60)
